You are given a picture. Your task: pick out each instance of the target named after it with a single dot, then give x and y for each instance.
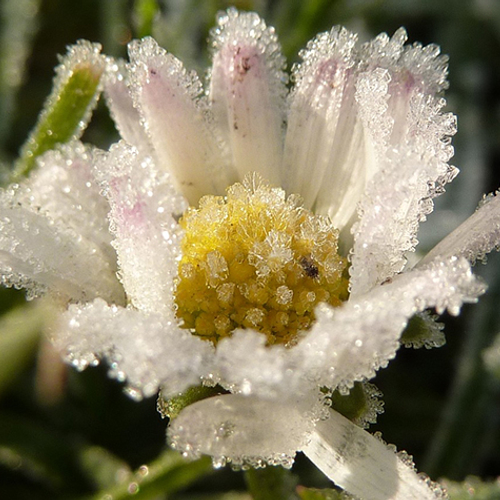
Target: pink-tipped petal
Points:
(247, 93)
(169, 100)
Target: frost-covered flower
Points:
(297, 279)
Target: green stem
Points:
(271, 483)
(167, 474)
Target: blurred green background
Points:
(65, 434)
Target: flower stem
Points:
(271, 483)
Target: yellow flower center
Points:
(256, 259)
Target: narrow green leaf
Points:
(473, 488)
(104, 469)
(167, 474)
(18, 27)
(315, 494)
(145, 12)
(271, 483)
(19, 333)
(68, 108)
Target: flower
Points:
(366, 147)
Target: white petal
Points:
(38, 255)
(412, 155)
(326, 157)
(127, 119)
(63, 188)
(144, 349)
(169, 100)
(363, 465)
(143, 206)
(243, 431)
(475, 237)
(247, 93)
(55, 230)
(348, 343)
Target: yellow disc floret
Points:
(256, 259)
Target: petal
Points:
(63, 188)
(55, 232)
(326, 156)
(143, 206)
(38, 255)
(127, 119)
(247, 93)
(174, 113)
(347, 343)
(475, 237)
(412, 143)
(243, 431)
(143, 349)
(365, 466)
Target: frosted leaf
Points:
(145, 349)
(423, 330)
(363, 465)
(243, 431)
(143, 207)
(67, 110)
(326, 157)
(247, 92)
(474, 238)
(174, 114)
(127, 119)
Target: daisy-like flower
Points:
(256, 240)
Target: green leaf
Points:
(315, 494)
(167, 474)
(473, 488)
(102, 467)
(19, 334)
(68, 108)
(172, 407)
(145, 12)
(271, 483)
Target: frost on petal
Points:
(347, 343)
(55, 232)
(143, 205)
(146, 350)
(169, 99)
(247, 93)
(127, 119)
(64, 189)
(326, 156)
(365, 466)
(351, 342)
(412, 143)
(243, 431)
(474, 238)
(38, 255)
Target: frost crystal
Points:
(365, 151)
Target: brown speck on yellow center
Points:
(256, 259)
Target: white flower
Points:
(366, 144)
